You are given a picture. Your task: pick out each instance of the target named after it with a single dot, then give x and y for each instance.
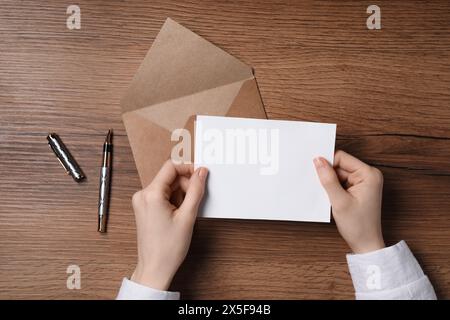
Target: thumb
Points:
(194, 192)
(330, 182)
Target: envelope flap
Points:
(181, 63)
(174, 114)
(149, 129)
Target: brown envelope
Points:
(181, 76)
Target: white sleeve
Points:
(389, 273)
(134, 291)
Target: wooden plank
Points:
(314, 60)
(33, 208)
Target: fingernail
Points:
(319, 162)
(203, 173)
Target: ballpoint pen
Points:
(105, 182)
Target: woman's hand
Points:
(355, 190)
(164, 230)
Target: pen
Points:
(65, 157)
(105, 181)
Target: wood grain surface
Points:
(388, 90)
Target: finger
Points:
(330, 182)
(356, 177)
(347, 162)
(176, 184)
(342, 174)
(176, 198)
(169, 172)
(184, 183)
(194, 193)
(179, 189)
(181, 182)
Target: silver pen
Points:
(105, 182)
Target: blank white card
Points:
(263, 169)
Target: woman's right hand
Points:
(355, 192)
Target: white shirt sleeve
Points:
(131, 290)
(388, 274)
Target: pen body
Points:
(103, 198)
(104, 188)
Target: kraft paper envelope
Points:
(263, 169)
(181, 76)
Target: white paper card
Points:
(263, 169)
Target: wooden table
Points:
(388, 90)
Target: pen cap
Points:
(65, 158)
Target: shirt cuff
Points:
(131, 290)
(392, 271)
